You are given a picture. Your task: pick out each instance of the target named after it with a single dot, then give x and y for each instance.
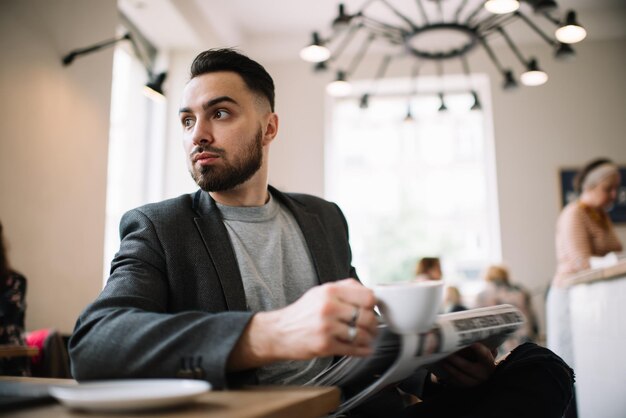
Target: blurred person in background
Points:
(499, 290)
(428, 268)
(12, 310)
(452, 300)
(583, 230)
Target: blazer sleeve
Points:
(129, 332)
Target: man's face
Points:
(223, 133)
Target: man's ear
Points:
(270, 128)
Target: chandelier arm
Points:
(380, 73)
(474, 13)
(382, 68)
(69, 58)
(490, 53)
(513, 47)
(534, 27)
(365, 6)
(465, 65)
(551, 18)
(440, 9)
(414, 73)
(344, 42)
(459, 10)
(439, 68)
(384, 26)
(400, 15)
(423, 11)
(488, 21)
(489, 25)
(384, 30)
(359, 56)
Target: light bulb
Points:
(570, 31)
(534, 78)
(338, 88)
(501, 6)
(570, 34)
(315, 53)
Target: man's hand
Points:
(316, 325)
(468, 367)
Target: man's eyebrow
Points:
(210, 103)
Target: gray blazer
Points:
(175, 297)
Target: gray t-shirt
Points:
(276, 269)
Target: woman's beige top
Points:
(580, 234)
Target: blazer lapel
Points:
(217, 243)
(312, 230)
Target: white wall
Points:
(54, 125)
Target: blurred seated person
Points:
(12, 309)
(428, 268)
(499, 290)
(452, 300)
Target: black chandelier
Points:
(439, 31)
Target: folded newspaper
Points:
(398, 356)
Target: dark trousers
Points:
(531, 382)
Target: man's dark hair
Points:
(253, 74)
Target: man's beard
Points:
(212, 178)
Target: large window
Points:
(412, 189)
(136, 151)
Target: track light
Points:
(509, 81)
(533, 76)
(543, 6)
(364, 102)
(501, 6)
(154, 87)
(442, 106)
(342, 21)
(316, 52)
(477, 105)
(340, 87)
(564, 51)
(69, 58)
(570, 31)
(409, 118)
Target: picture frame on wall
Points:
(566, 182)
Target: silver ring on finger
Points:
(355, 316)
(352, 331)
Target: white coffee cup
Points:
(410, 307)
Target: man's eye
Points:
(187, 122)
(221, 114)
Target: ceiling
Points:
(279, 28)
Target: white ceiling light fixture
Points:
(570, 32)
(501, 6)
(316, 51)
(339, 87)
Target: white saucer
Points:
(127, 395)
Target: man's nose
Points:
(202, 133)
